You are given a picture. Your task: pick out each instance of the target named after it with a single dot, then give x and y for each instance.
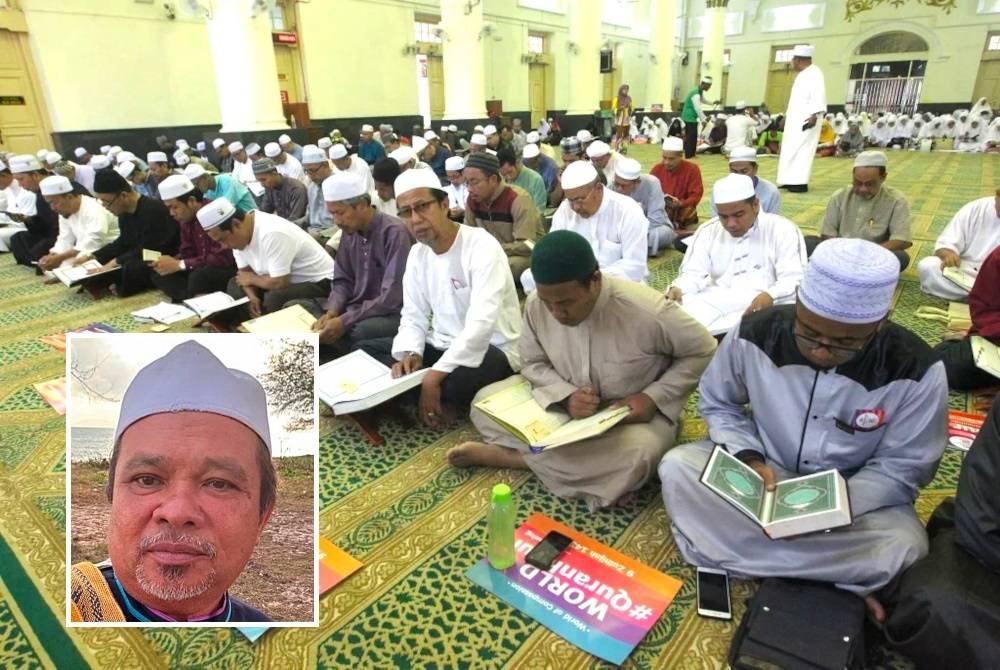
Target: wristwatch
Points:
(182, 265)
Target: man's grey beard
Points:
(167, 584)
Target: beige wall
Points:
(118, 64)
(352, 58)
(956, 42)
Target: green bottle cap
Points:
(501, 494)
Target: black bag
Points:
(800, 625)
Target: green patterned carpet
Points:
(416, 523)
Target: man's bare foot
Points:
(875, 609)
(469, 454)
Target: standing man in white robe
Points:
(742, 262)
(806, 107)
(578, 359)
(965, 243)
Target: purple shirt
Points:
(198, 250)
(368, 274)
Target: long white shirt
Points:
(798, 147)
(972, 233)
(468, 294)
(89, 229)
(741, 131)
(243, 172)
(20, 200)
(617, 232)
(279, 248)
(359, 167)
(770, 257)
(292, 168)
(457, 195)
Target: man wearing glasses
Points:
(320, 221)
(613, 224)
(144, 223)
(504, 211)
(460, 312)
(828, 382)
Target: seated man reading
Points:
(971, 235)
(175, 549)
(460, 312)
(651, 366)
(826, 383)
(868, 209)
(741, 262)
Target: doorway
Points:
(988, 79)
(24, 127)
(780, 76)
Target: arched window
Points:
(896, 41)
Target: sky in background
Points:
(110, 361)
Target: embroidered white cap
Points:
(174, 186)
(343, 186)
(732, 188)
(215, 213)
(55, 185)
(577, 174)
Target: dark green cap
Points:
(562, 256)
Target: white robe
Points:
(293, 169)
(461, 302)
(618, 232)
(18, 201)
(798, 147)
(721, 274)
(86, 231)
(973, 233)
(360, 168)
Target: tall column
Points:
(246, 76)
(713, 45)
(660, 86)
(584, 56)
(464, 71)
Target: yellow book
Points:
(294, 319)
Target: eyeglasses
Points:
(842, 348)
(580, 198)
(419, 208)
(313, 170)
(108, 203)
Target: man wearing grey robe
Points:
(826, 383)
(578, 358)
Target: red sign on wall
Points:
(285, 38)
(284, 97)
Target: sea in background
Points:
(88, 444)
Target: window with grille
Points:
(994, 43)
(783, 55)
(893, 87)
(536, 44)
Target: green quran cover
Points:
(806, 504)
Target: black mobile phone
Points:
(805, 126)
(713, 594)
(545, 553)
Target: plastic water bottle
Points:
(500, 522)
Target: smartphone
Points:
(545, 553)
(713, 594)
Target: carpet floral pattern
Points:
(416, 523)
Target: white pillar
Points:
(584, 56)
(464, 71)
(660, 85)
(713, 46)
(246, 76)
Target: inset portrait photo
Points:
(191, 482)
